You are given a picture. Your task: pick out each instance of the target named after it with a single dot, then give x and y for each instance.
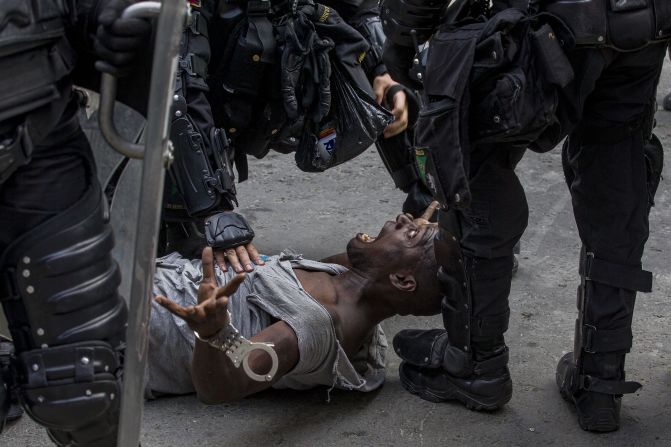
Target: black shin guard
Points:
(592, 376)
(475, 308)
(59, 291)
(467, 362)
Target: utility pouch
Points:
(246, 62)
(631, 24)
(586, 19)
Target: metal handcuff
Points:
(238, 348)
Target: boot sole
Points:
(470, 401)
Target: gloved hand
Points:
(306, 67)
(317, 80)
(118, 40)
(230, 236)
(292, 62)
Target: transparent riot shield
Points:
(155, 151)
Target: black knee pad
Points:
(74, 391)
(59, 282)
(59, 292)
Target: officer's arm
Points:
(364, 16)
(202, 173)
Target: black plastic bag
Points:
(353, 123)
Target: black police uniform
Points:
(612, 166)
(58, 283)
(228, 105)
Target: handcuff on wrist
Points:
(237, 348)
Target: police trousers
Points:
(607, 113)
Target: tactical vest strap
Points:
(199, 26)
(193, 65)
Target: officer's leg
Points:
(58, 290)
(610, 184)
(471, 364)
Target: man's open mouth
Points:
(363, 237)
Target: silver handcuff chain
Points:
(237, 348)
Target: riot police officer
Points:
(612, 165)
(229, 96)
(58, 283)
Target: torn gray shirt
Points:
(271, 292)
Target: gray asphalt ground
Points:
(318, 213)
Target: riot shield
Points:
(156, 154)
(120, 178)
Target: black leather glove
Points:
(118, 40)
(317, 78)
(227, 230)
(292, 62)
(306, 67)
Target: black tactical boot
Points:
(597, 391)
(438, 372)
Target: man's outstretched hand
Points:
(210, 315)
(241, 258)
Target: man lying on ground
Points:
(323, 318)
